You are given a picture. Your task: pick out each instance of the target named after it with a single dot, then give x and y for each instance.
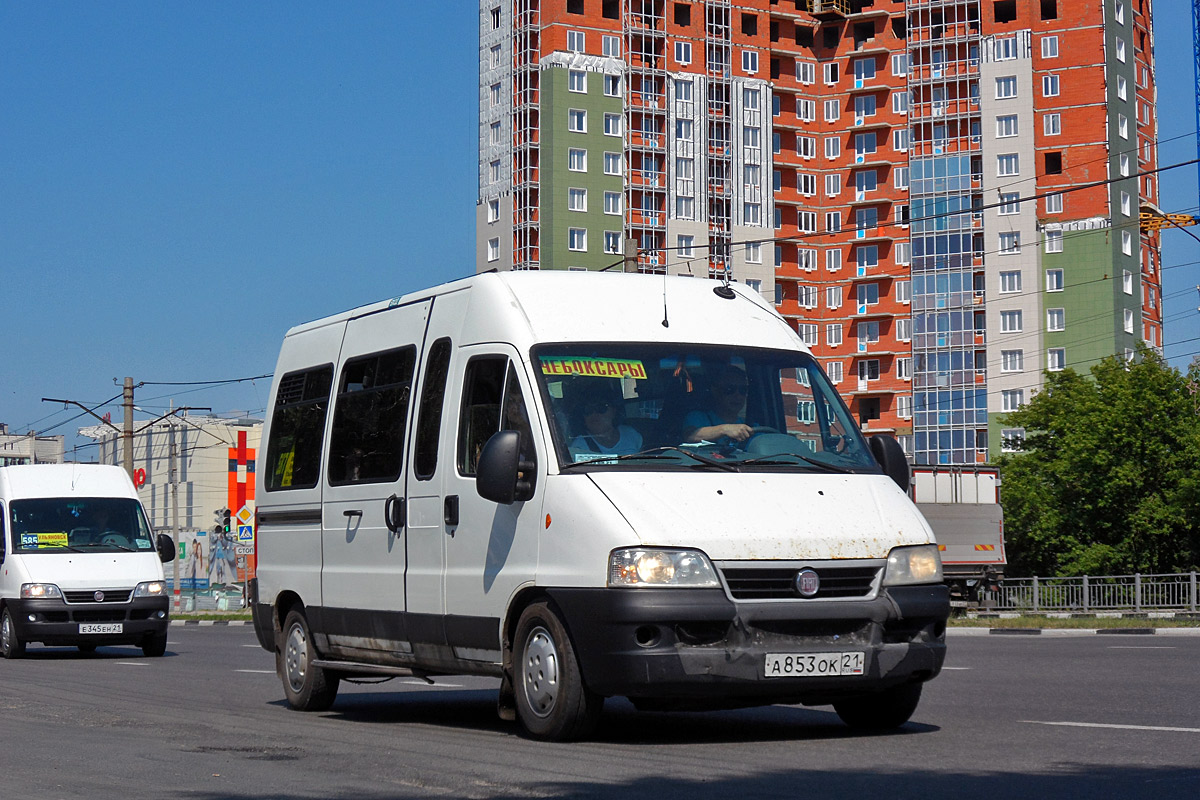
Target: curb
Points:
(1072, 631)
(210, 622)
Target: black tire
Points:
(308, 688)
(552, 701)
(155, 646)
(11, 645)
(881, 711)
(87, 648)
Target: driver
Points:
(724, 421)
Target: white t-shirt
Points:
(630, 442)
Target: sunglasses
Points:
(596, 408)
(737, 388)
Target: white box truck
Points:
(587, 486)
(79, 563)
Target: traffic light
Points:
(225, 520)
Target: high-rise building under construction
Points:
(942, 196)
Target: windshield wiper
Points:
(108, 544)
(774, 460)
(654, 454)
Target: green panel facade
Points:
(557, 101)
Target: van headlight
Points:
(150, 589)
(39, 591)
(908, 565)
(637, 566)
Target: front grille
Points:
(779, 583)
(89, 596)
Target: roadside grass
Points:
(960, 620)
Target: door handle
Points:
(354, 512)
(450, 509)
(393, 513)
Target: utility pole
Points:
(174, 480)
(127, 432)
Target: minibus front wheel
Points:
(308, 687)
(552, 701)
(11, 645)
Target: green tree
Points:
(1107, 480)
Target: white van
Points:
(438, 497)
(79, 564)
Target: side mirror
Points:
(501, 476)
(166, 548)
(890, 455)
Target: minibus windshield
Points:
(79, 525)
(653, 406)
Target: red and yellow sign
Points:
(594, 367)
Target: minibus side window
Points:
(483, 391)
(516, 416)
(429, 423)
(298, 429)
(370, 417)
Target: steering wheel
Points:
(114, 539)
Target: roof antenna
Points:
(723, 291)
(665, 323)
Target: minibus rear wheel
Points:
(552, 701)
(308, 688)
(11, 645)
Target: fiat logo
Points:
(98, 597)
(808, 583)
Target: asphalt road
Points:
(1050, 716)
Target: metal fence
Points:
(1090, 593)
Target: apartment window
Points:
(904, 292)
(868, 370)
(1127, 281)
(806, 221)
(575, 41)
(1124, 165)
(1054, 241)
(868, 331)
(833, 334)
(1153, 297)
(902, 254)
(577, 159)
(866, 180)
(493, 249)
(833, 186)
(868, 294)
(834, 370)
(1127, 243)
(806, 110)
(750, 61)
(1010, 243)
(1006, 126)
(900, 177)
(683, 52)
(750, 138)
(1056, 359)
(900, 103)
(1052, 124)
(1006, 87)
(577, 239)
(753, 252)
(1054, 280)
(806, 295)
(1049, 86)
(808, 333)
(1012, 399)
(576, 120)
(685, 207)
(1006, 48)
(612, 203)
(1008, 164)
(494, 57)
(496, 18)
(833, 259)
(493, 211)
(576, 81)
(612, 242)
(904, 329)
(1010, 281)
(1012, 360)
(576, 199)
(833, 219)
(1122, 88)
(833, 110)
(904, 406)
(683, 129)
(752, 174)
(806, 184)
(1119, 11)
(867, 256)
(806, 72)
(612, 85)
(750, 98)
(1010, 203)
(830, 72)
(806, 259)
(612, 124)
(1010, 321)
(612, 163)
(864, 143)
(1049, 47)
(1128, 321)
(1056, 319)
(494, 171)
(864, 69)
(683, 90)
(1121, 50)
(900, 64)
(494, 94)
(494, 134)
(611, 46)
(864, 105)
(1054, 203)
(833, 297)
(833, 146)
(752, 213)
(1123, 126)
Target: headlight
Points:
(150, 589)
(644, 567)
(39, 591)
(919, 564)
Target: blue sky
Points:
(180, 183)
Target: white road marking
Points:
(434, 685)
(958, 668)
(1139, 647)
(133, 663)
(1118, 727)
(255, 646)
(257, 671)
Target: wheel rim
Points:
(6, 633)
(539, 672)
(296, 658)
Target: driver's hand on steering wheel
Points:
(738, 431)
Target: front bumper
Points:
(55, 622)
(697, 644)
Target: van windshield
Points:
(79, 524)
(662, 406)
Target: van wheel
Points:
(308, 688)
(87, 648)
(552, 702)
(10, 645)
(881, 711)
(155, 646)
